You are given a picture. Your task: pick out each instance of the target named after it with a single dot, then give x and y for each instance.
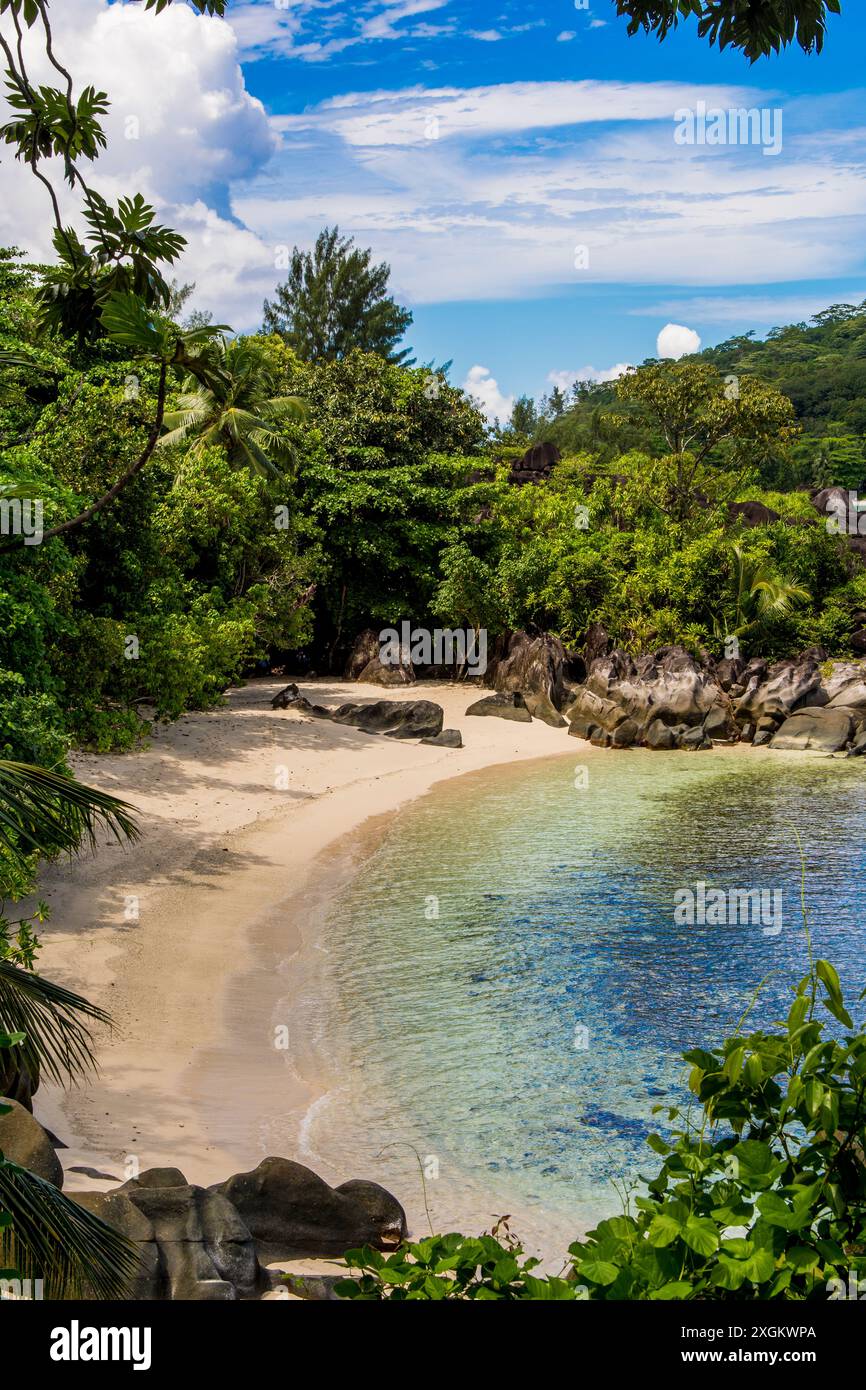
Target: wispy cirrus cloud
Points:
(487, 192)
(313, 31)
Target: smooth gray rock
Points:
(502, 706)
(720, 724)
(625, 735)
(396, 718)
(694, 740)
(540, 707)
(449, 738)
(817, 728)
(852, 695)
(659, 736)
(290, 1211)
(25, 1142)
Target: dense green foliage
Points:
(819, 366)
(290, 504)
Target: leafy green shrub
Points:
(31, 726)
(449, 1267)
(763, 1195)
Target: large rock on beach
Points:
(502, 707)
(534, 667)
(365, 664)
(787, 686)
(25, 1142)
(815, 728)
(396, 718)
(449, 738)
(289, 695)
(290, 1211)
(211, 1244)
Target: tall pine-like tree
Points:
(334, 300)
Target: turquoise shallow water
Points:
(519, 1039)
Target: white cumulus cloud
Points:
(566, 379)
(181, 127)
(484, 390)
(676, 341)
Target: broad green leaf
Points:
(701, 1235)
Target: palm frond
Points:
(53, 1238)
(257, 459)
(48, 812)
(272, 441)
(285, 408)
(57, 1041)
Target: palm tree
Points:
(42, 1233)
(760, 594)
(237, 408)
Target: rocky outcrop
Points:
(818, 728)
(667, 684)
(25, 1142)
(211, 1244)
(365, 663)
(532, 666)
(502, 707)
(588, 710)
(395, 718)
(787, 686)
(290, 1211)
(536, 465)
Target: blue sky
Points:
(564, 137)
(521, 168)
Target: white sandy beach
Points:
(230, 870)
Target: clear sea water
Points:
(518, 1041)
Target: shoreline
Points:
(198, 985)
